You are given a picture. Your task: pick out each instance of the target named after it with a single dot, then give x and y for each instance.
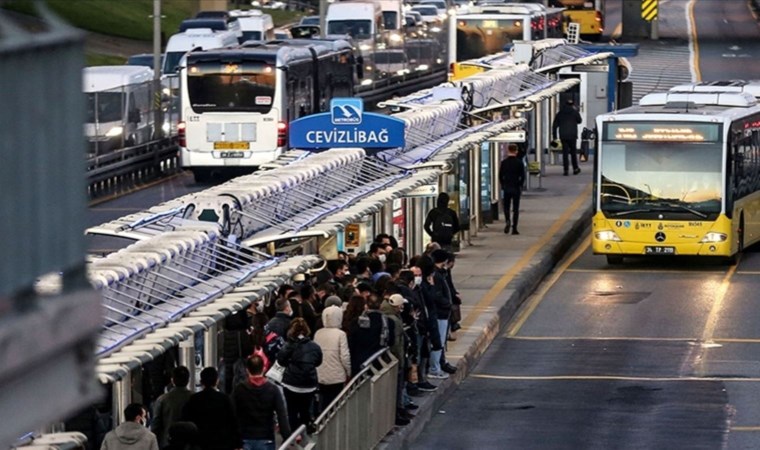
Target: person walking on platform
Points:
(511, 178)
(442, 223)
(168, 407)
(131, 434)
(256, 401)
(566, 123)
(213, 414)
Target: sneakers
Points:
(411, 406)
(576, 171)
(438, 375)
(426, 387)
(451, 337)
(448, 368)
(506, 227)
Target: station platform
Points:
(496, 272)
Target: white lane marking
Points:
(692, 53)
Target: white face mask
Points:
(417, 281)
(381, 258)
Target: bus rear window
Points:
(240, 86)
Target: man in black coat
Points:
(566, 123)
(213, 414)
(280, 323)
(442, 222)
(511, 178)
(168, 408)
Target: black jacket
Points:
(365, 337)
(442, 296)
(567, 121)
(300, 359)
(279, 324)
(255, 407)
(512, 173)
(428, 293)
(213, 414)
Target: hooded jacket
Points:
(336, 359)
(255, 406)
(442, 207)
(130, 436)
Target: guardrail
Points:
(358, 418)
(386, 88)
(131, 165)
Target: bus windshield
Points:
(171, 61)
(104, 107)
(642, 177)
(241, 86)
(480, 37)
(357, 29)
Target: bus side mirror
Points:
(360, 67)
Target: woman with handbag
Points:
(300, 357)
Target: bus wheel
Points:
(614, 260)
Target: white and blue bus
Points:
(237, 102)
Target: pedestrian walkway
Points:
(497, 273)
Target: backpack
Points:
(443, 225)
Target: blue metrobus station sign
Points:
(346, 125)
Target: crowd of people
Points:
(285, 361)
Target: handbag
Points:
(276, 372)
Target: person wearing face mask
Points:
(377, 251)
(132, 433)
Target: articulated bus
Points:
(679, 174)
(486, 29)
(237, 102)
(589, 14)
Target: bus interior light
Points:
(607, 235)
(714, 237)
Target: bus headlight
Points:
(115, 131)
(608, 235)
(714, 237)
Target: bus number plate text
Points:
(231, 155)
(658, 250)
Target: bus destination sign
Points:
(662, 132)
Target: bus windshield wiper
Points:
(681, 206)
(629, 211)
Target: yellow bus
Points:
(679, 174)
(589, 14)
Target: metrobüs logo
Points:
(346, 111)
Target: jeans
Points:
(569, 149)
(443, 329)
(512, 196)
(437, 355)
(258, 444)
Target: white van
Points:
(119, 100)
(255, 25)
(194, 38)
(363, 21)
(393, 21)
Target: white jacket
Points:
(336, 360)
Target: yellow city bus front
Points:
(628, 237)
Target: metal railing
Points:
(363, 413)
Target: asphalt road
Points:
(728, 40)
(655, 354)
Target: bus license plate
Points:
(658, 250)
(231, 145)
(231, 155)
